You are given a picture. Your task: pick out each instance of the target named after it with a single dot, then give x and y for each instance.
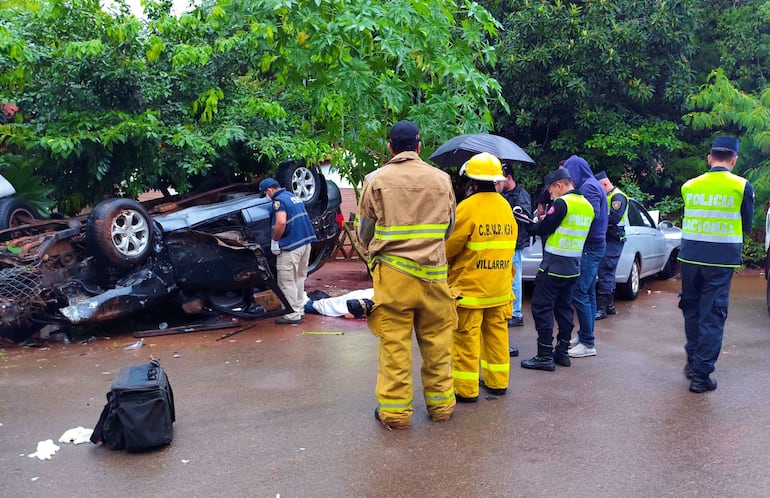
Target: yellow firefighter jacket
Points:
(405, 212)
(480, 251)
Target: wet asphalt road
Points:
(272, 411)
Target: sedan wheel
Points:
(630, 289)
(304, 182)
(119, 233)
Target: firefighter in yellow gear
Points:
(480, 254)
(405, 212)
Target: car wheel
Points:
(672, 267)
(304, 182)
(15, 212)
(630, 289)
(119, 233)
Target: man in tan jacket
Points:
(405, 213)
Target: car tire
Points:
(672, 267)
(304, 182)
(15, 212)
(630, 289)
(119, 233)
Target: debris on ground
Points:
(45, 450)
(78, 435)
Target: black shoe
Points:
(497, 391)
(562, 359)
(377, 414)
(463, 399)
(286, 321)
(359, 307)
(516, 321)
(688, 371)
(513, 351)
(702, 383)
(539, 363)
(600, 314)
(611, 310)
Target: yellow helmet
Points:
(484, 167)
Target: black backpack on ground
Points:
(140, 410)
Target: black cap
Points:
(601, 175)
(556, 175)
(725, 144)
(404, 136)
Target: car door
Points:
(644, 239)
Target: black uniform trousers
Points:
(605, 284)
(552, 298)
(703, 301)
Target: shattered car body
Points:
(204, 252)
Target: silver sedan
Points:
(651, 249)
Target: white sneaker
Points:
(574, 341)
(581, 351)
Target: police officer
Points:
(564, 229)
(405, 212)
(617, 218)
(480, 253)
(292, 235)
(718, 209)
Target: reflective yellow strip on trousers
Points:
(428, 231)
(493, 244)
(465, 375)
(433, 398)
(496, 367)
(412, 268)
(484, 301)
(394, 405)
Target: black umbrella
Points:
(457, 150)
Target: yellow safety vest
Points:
(712, 229)
(570, 235)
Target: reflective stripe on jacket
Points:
(612, 193)
(712, 229)
(480, 251)
(563, 249)
(404, 215)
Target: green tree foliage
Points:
(113, 103)
(720, 106)
(605, 79)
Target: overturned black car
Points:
(206, 252)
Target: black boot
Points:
(601, 307)
(702, 383)
(560, 356)
(611, 305)
(539, 363)
(359, 308)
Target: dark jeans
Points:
(584, 295)
(551, 298)
(703, 301)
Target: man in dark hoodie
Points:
(584, 295)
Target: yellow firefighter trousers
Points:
(481, 334)
(403, 303)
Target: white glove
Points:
(77, 435)
(274, 247)
(45, 450)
